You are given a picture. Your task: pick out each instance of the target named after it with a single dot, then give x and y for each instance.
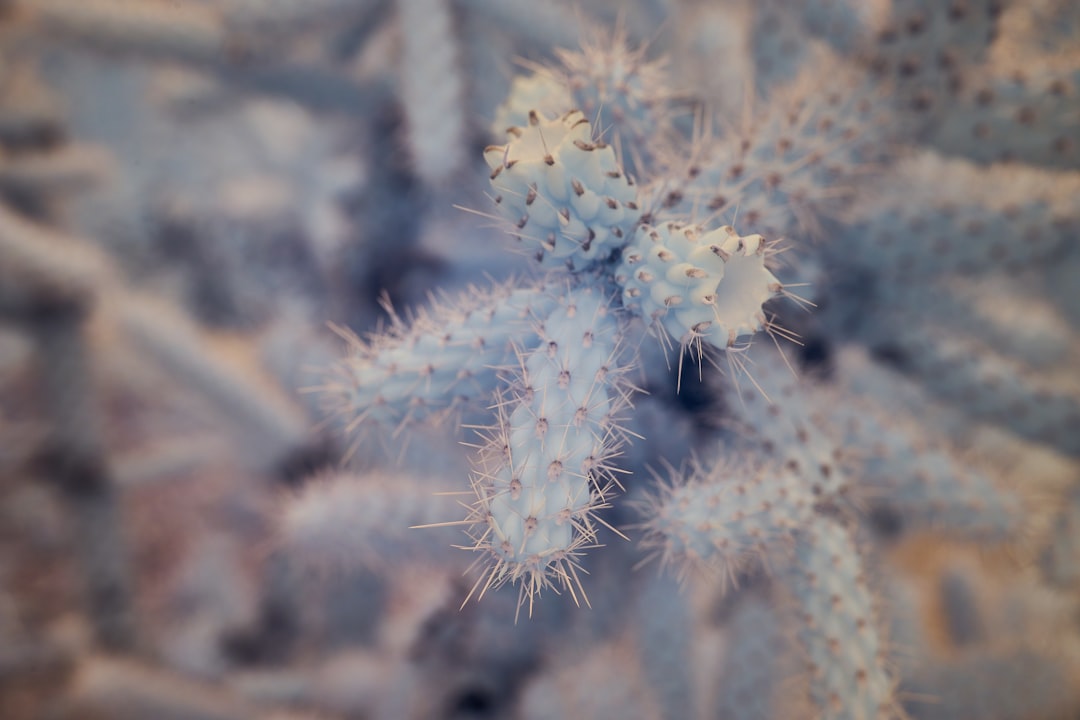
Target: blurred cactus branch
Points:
(124, 690)
(227, 33)
(76, 459)
(240, 43)
(45, 272)
(48, 285)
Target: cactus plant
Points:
(795, 317)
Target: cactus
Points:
(563, 191)
(844, 648)
(697, 287)
(443, 360)
(544, 470)
(633, 385)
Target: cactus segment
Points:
(727, 520)
(844, 649)
(569, 201)
(545, 468)
(447, 357)
(697, 286)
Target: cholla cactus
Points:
(907, 167)
(625, 96)
(630, 244)
(698, 287)
(545, 467)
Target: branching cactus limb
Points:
(545, 468)
(339, 522)
(625, 96)
(695, 286)
(759, 662)
(787, 422)
(725, 520)
(433, 88)
(926, 49)
(724, 525)
(800, 158)
(442, 359)
(787, 516)
(838, 630)
(928, 485)
(1026, 115)
(933, 216)
(563, 191)
(1042, 407)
